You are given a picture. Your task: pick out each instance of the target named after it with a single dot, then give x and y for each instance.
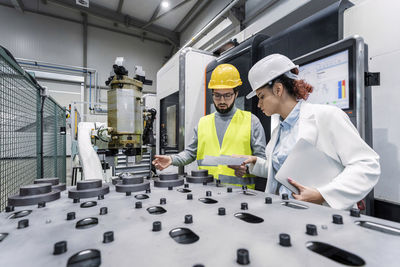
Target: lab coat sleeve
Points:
(257, 140)
(361, 163)
(260, 168)
(189, 154)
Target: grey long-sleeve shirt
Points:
(222, 121)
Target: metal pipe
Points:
(43, 98)
(211, 23)
(90, 91)
(51, 65)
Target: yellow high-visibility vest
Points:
(236, 141)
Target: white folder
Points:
(308, 166)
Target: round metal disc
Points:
(34, 189)
(200, 173)
(93, 192)
(60, 187)
(199, 180)
(168, 183)
(33, 199)
(53, 181)
(89, 184)
(168, 176)
(132, 180)
(122, 188)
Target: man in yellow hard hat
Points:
(228, 131)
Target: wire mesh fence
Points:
(20, 131)
(53, 141)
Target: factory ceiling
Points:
(155, 20)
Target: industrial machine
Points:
(125, 130)
(125, 118)
(180, 101)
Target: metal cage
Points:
(20, 131)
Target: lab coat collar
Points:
(307, 124)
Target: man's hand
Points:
(240, 170)
(307, 194)
(161, 162)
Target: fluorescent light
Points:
(164, 4)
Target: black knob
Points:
(108, 237)
(311, 229)
(103, 210)
(221, 211)
(337, 219)
(60, 247)
(244, 206)
(204, 183)
(76, 200)
(284, 240)
(148, 190)
(128, 193)
(285, 196)
(189, 196)
(243, 257)
(208, 193)
(355, 212)
(186, 185)
(138, 205)
(268, 200)
(71, 216)
(163, 201)
(9, 208)
(170, 188)
(229, 190)
(156, 226)
(100, 197)
(23, 223)
(188, 218)
(41, 204)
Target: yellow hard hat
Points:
(224, 76)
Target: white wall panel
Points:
(34, 36)
(105, 46)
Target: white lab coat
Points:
(331, 131)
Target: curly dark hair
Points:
(297, 88)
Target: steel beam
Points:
(189, 14)
(196, 15)
(119, 10)
(165, 13)
(155, 13)
(18, 5)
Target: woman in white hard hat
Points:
(274, 80)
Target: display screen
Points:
(330, 78)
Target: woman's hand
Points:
(307, 194)
(161, 162)
(250, 159)
(241, 170)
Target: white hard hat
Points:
(268, 69)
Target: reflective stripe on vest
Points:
(236, 141)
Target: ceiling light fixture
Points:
(164, 4)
